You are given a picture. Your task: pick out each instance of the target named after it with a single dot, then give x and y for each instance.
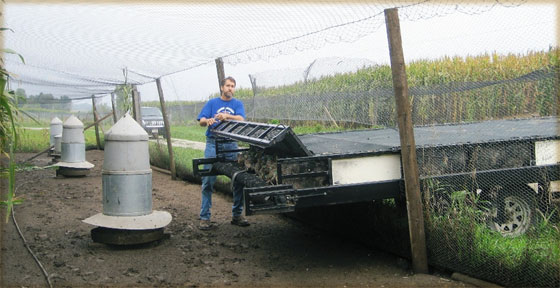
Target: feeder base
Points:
(71, 172)
(126, 237)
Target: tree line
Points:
(42, 100)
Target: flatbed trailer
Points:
(513, 164)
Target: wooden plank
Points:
(136, 103)
(37, 155)
(408, 146)
(254, 87)
(114, 108)
(96, 123)
(167, 130)
(93, 124)
(220, 70)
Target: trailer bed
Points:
(363, 165)
(384, 140)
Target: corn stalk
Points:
(8, 132)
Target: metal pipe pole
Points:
(408, 145)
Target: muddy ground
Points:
(275, 250)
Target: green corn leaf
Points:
(10, 51)
(17, 201)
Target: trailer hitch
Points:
(206, 170)
(269, 199)
(274, 199)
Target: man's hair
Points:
(223, 82)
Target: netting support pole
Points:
(167, 130)
(136, 105)
(98, 141)
(114, 108)
(254, 87)
(97, 122)
(408, 146)
(221, 74)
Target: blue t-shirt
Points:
(217, 105)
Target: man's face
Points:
(228, 89)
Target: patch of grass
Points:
(189, 132)
(459, 239)
(183, 164)
(317, 128)
(197, 133)
(183, 158)
(31, 141)
(91, 142)
(34, 141)
(30, 123)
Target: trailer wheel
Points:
(513, 212)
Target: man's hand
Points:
(210, 121)
(204, 122)
(222, 116)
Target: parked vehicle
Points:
(152, 121)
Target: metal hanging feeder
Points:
(127, 216)
(55, 129)
(73, 149)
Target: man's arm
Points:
(225, 116)
(206, 121)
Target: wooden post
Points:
(329, 115)
(408, 146)
(167, 130)
(221, 74)
(95, 121)
(114, 108)
(136, 114)
(254, 86)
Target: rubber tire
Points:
(520, 211)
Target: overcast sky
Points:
(92, 39)
(503, 30)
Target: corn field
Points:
(448, 90)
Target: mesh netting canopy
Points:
(79, 49)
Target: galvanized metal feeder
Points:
(57, 146)
(56, 129)
(127, 216)
(73, 149)
(56, 151)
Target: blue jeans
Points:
(208, 181)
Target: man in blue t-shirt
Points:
(218, 109)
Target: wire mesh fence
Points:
(487, 154)
(487, 151)
(486, 132)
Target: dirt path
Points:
(176, 142)
(274, 251)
